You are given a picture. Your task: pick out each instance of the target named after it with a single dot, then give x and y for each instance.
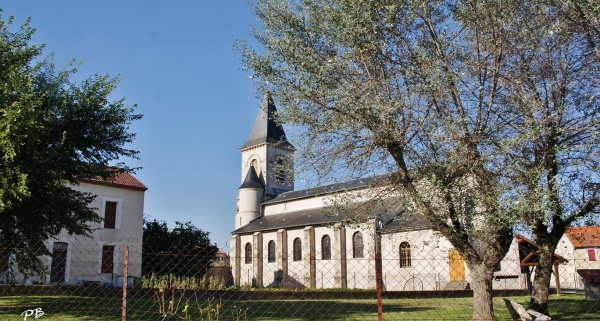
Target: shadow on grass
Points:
(108, 309)
(565, 307)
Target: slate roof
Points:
(252, 180)
(288, 220)
(393, 216)
(406, 221)
(584, 236)
(266, 129)
(122, 179)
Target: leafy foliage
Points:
(52, 132)
(486, 112)
(582, 17)
(183, 251)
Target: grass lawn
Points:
(565, 307)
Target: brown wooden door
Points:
(457, 266)
(59, 262)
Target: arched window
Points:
(326, 248)
(405, 255)
(248, 258)
(271, 252)
(280, 168)
(254, 163)
(357, 245)
(297, 249)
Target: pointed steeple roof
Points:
(266, 129)
(252, 180)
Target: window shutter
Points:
(110, 214)
(107, 258)
(591, 254)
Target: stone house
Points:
(99, 258)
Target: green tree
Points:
(52, 132)
(553, 85)
(581, 16)
(183, 251)
(429, 91)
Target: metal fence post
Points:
(378, 269)
(125, 271)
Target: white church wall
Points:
(293, 206)
(248, 203)
(361, 270)
(269, 268)
(325, 269)
(250, 154)
(429, 267)
(441, 252)
(264, 155)
(296, 269)
(246, 269)
(322, 201)
(419, 274)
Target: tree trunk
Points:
(543, 273)
(483, 306)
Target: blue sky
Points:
(176, 62)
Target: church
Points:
(296, 239)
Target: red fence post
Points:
(378, 270)
(125, 271)
(378, 273)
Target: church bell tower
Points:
(267, 164)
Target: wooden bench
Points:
(518, 312)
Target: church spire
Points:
(266, 129)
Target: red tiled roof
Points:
(584, 236)
(122, 179)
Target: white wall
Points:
(325, 269)
(296, 269)
(421, 275)
(269, 268)
(509, 276)
(361, 271)
(246, 269)
(577, 259)
(85, 254)
(266, 155)
(294, 206)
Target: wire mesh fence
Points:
(85, 279)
